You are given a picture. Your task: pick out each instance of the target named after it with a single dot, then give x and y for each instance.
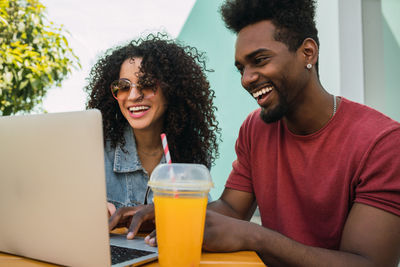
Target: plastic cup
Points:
(180, 200)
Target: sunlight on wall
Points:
(96, 25)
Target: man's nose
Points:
(249, 77)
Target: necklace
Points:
(152, 154)
(334, 105)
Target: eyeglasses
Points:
(121, 89)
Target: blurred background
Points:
(359, 53)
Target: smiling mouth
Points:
(263, 91)
(138, 109)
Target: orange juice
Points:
(180, 226)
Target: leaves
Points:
(34, 55)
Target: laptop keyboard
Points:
(121, 254)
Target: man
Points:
(324, 171)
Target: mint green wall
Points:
(391, 42)
(205, 30)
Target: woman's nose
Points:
(135, 94)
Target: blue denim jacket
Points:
(126, 178)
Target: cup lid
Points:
(181, 176)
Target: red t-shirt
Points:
(305, 186)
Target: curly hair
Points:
(189, 120)
(293, 19)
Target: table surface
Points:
(241, 258)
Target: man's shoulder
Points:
(365, 118)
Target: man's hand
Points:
(223, 233)
(134, 218)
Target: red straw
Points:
(166, 150)
(168, 159)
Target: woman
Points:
(148, 87)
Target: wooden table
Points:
(241, 258)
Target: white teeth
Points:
(262, 91)
(138, 108)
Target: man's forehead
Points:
(255, 36)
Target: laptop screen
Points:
(52, 188)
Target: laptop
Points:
(53, 194)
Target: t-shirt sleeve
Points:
(379, 182)
(240, 176)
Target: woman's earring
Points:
(309, 66)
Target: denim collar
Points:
(128, 161)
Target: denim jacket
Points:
(126, 178)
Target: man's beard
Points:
(277, 113)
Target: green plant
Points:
(34, 56)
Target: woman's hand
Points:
(134, 218)
(111, 209)
(151, 239)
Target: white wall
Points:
(374, 67)
(328, 33)
(339, 24)
(96, 25)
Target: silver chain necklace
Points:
(334, 105)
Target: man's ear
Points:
(309, 50)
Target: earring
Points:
(309, 66)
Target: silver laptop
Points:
(53, 195)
